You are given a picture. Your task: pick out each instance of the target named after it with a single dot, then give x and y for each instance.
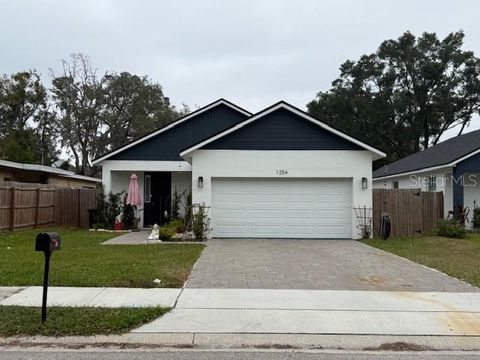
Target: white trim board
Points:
(175, 123)
(146, 165)
(282, 105)
(413, 172)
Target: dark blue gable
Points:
(469, 165)
(282, 130)
(167, 145)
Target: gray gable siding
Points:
(282, 130)
(168, 145)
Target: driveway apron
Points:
(313, 264)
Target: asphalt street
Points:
(224, 355)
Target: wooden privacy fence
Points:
(411, 210)
(33, 206)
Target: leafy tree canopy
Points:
(98, 113)
(26, 129)
(403, 97)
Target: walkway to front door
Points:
(313, 264)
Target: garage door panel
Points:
(263, 229)
(289, 208)
(330, 215)
(227, 213)
(298, 215)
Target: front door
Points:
(157, 198)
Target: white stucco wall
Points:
(299, 164)
(182, 181)
(471, 194)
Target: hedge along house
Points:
(277, 174)
(452, 166)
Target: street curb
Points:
(253, 341)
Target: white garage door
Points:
(281, 208)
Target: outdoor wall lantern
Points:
(200, 182)
(364, 183)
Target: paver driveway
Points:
(313, 264)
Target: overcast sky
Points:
(253, 53)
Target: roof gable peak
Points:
(193, 114)
(283, 105)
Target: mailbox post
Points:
(46, 242)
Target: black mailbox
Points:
(47, 242)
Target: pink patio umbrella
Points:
(133, 197)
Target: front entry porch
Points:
(156, 187)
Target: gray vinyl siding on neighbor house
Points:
(168, 145)
(282, 130)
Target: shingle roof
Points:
(443, 153)
(46, 169)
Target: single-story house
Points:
(279, 173)
(452, 166)
(40, 174)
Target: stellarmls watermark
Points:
(434, 181)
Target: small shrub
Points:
(107, 208)
(476, 218)
(114, 208)
(201, 222)
(187, 210)
(176, 202)
(101, 208)
(365, 232)
(166, 232)
(451, 228)
(177, 225)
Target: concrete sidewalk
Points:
(240, 318)
(237, 311)
(90, 296)
(295, 312)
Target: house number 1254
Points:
(282, 172)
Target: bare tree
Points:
(78, 95)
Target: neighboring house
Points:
(452, 166)
(31, 173)
(279, 173)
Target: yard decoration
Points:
(155, 234)
(134, 198)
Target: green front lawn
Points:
(82, 261)
(459, 258)
(63, 321)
